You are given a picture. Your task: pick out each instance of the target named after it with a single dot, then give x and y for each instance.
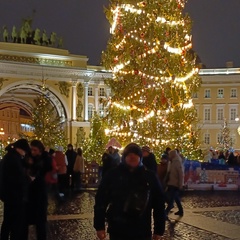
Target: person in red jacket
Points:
(51, 178)
(61, 161)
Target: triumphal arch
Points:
(72, 86)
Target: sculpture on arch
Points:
(64, 88)
(81, 137)
(37, 37)
(26, 25)
(79, 109)
(23, 35)
(45, 41)
(2, 80)
(80, 90)
(5, 34)
(14, 34)
(53, 39)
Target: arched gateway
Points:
(71, 85)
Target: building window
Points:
(207, 138)
(233, 114)
(207, 93)
(233, 93)
(195, 95)
(90, 111)
(220, 93)
(207, 114)
(220, 114)
(101, 110)
(90, 91)
(102, 92)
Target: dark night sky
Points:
(216, 31)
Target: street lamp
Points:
(237, 118)
(1, 134)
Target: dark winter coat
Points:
(162, 173)
(130, 198)
(232, 159)
(150, 162)
(107, 163)
(71, 157)
(14, 179)
(37, 207)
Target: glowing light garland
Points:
(116, 13)
(131, 8)
(166, 45)
(156, 81)
(166, 79)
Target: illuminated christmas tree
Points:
(47, 125)
(225, 141)
(95, 146)
(154, 75)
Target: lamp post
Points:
(1, 134)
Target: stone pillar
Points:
(96, 99)
(74, 100)
(86, 101)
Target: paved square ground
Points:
(208, 216)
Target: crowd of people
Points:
(229, 157)
(28, 173)
(132, 188)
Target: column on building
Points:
(86, 101)
(96, 99)
(74, 100)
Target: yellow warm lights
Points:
(154, 74)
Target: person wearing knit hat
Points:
(127, 195)
(23, 145)
(135, 152)
(149, 159)
(14, 187)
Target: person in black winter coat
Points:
(149, 159)
(14, 190)
(71, 157)
(126, 197)
(38, 201)
(110, 160)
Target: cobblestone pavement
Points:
(84, 202)
(232, 217)
(205, 199)
(72, 220)
(83, 230)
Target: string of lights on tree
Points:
(46, 123)
(154, 75)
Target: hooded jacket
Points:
(130, 197)
(150, 162)
(175, 177)
(14, 180)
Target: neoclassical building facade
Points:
(216, 102)
(73, 87)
